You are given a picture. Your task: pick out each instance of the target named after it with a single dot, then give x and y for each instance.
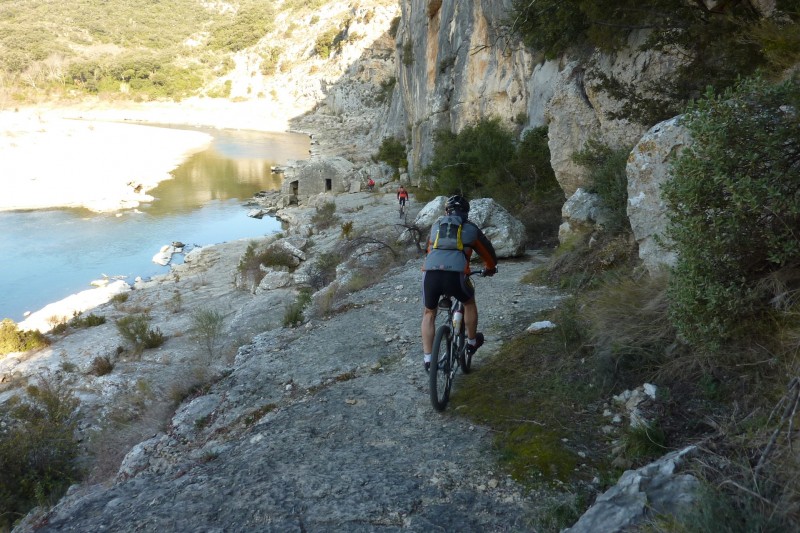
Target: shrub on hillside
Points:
(87, 321)
(609, 180)
(207, 327)
(137, 331)
(324, 215)
(323, 270)
(12, 339)
(734, 207)
(483, 160)
(243, 29)
(329, 42)
(392, 151)
(38, 450)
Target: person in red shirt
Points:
(402, 196)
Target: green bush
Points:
(249, 268)
(347, 230)
(734, 205)
(102, 365)
(483, 160)
(88, 321)
(387, 87)
(324, 215)
(38, 451)
(12, 339)
(323, 270)
(269, 60)
(392, 151)
(473, 159)
(137, 331)
(607, 175)
(207, 327)
(243, 29)
(293, 313)
(329, 42)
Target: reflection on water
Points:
(48, 255)
(208, 176)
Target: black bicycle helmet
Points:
(457, 204)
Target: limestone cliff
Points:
(457, 63)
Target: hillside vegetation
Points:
(135, 49)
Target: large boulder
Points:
(649, 167)
(506, 232)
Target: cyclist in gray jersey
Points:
(445, 271)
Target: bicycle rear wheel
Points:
(439, 373)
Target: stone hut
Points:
(310, 178)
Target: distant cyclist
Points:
(402, 198)
(450, 245)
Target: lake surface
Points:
(47, 255)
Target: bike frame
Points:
(445, 365)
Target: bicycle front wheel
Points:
(439, 373)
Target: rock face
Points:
(648, 168)
(582, 213)
(452, 70)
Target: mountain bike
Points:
(449, 350)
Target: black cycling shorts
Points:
(438, 282)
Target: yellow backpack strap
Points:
(459, 244)
(436, 240)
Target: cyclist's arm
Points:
(485, 250)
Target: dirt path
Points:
(327, 428)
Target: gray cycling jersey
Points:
(451, 243)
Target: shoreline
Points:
(106, 157)
(35, 142)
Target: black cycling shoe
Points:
(427, 365)
(478, 343)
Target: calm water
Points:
(49, 254)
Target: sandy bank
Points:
(88, 156)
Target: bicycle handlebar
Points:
(482, 272)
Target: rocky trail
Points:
(327, 427)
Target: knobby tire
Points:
(439, 373)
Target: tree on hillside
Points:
(485, 160)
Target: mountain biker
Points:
(450, 245)
(402, 196)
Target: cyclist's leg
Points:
(466, 294)
(428, 325)
(471, 318)
(431, 291)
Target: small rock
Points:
(541, 327)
